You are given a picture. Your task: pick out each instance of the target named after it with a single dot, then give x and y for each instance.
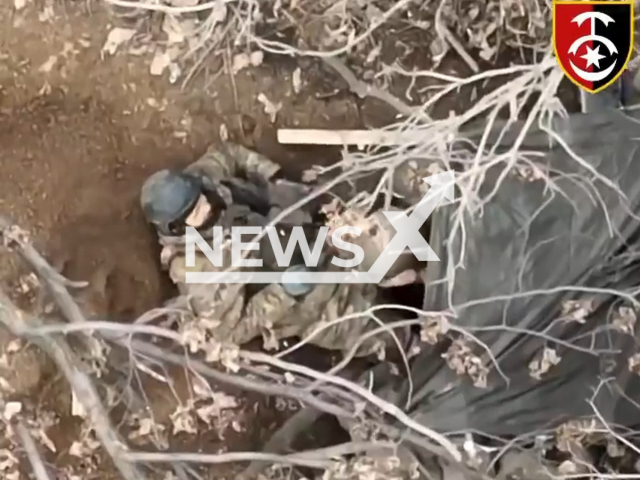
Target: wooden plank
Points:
(301, 136)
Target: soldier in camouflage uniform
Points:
(234, 186)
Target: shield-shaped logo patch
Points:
(593, 40)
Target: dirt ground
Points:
(78, 141)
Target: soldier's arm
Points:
(231, 160)
(266, 313)
(219, 302)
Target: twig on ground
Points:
(239, 381)
(383, 405)
(18, 323)
(446, 35)
(31, 449)
(320, 458)
(457, 46)
(231, 457)
(603, 421)
(362, 89)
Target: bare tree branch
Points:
(320, 458)
(39, 470)
(19, 323)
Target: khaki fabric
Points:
(270, 313)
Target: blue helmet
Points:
(168, 197)
(291, 281)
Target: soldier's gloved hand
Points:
(166, 255)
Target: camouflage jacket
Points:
(271, 312)
(245, 178)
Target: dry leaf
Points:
(224, 133)
(117, 36)
(218, 13)
(615, 449)
(160, 62)
(297, 80)
(433, 329)
(460, 359)
(172, 27)
(11, 409)
(174, 72)
(49, 64)
(240, 61)
(256, 58)
(47, 14)
(244, 60)
(183, 421)
(220, 402)
(577, 310)
(77, 409)
(539, 367)
(224, 401)
(14, 346)
(76, 449)
(567, 468)
(373, 54)
(271, 109)
(634, 364)
(310, 175)
(7, 460)
(624, 320)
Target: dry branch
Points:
(320, 458)
(384, 406)
(269, 389)
(39, 470)
(220, 458)
(19, 323)
(363, 89)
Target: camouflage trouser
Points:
(274, 315)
